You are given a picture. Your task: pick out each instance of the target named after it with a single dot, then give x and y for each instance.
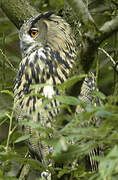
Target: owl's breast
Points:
(39, 74)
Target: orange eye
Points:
(33, 33)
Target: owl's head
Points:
(45, 29)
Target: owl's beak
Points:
(22, 46)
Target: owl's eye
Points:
(33, 32)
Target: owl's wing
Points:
(86, 96)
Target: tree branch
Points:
(91, 40)
(109, 28)
(81, 10)
(18, 10)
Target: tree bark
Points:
(18, 11)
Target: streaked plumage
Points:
(47, 58)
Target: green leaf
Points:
(1, 173)
(22, 138)
(71, 81)
(1, 117)
(113, 152)
(103, 113)
(9, 178)
(40, 85)
(4, 156)
(99, 94)
(35, 164)
(69, 100)
(64, 171)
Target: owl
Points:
(48, 51)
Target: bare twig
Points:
(111, 59)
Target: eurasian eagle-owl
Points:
(48, 51)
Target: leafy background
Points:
(12, 143)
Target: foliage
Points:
(13, 151)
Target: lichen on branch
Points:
(18, 10)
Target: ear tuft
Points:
(42, 15)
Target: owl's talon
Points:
(46, 175)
